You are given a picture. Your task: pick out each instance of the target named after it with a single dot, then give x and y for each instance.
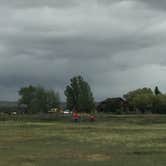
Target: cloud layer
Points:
(117, 45)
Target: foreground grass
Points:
(116, 140)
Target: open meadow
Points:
(117, 140)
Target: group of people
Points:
(77, 117)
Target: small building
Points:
(112, 105)
(55, 110)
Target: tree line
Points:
(78, 94)
(147, 100)
(79, 97)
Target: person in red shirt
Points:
(92, 118)
(76, 117)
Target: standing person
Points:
(76, 117)
(92, 117)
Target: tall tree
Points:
(157, 91)
(79, 96)
(27, 94)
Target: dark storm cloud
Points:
(159, 4)
(54, 3)
(114, 44)
(38, 3)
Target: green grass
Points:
(123, 140)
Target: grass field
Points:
(114, 140)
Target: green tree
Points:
(27, 94)
(79, 96)
(141, 99)
(52, 99)
(159, 104)
(38, 99)
(157, 91)
(143, 102)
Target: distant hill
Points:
(8, 103)
(14, 103)
(8, 106)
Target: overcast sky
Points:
(116, 45)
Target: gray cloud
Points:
(117, 45)
(39, 3)
(160, 4)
